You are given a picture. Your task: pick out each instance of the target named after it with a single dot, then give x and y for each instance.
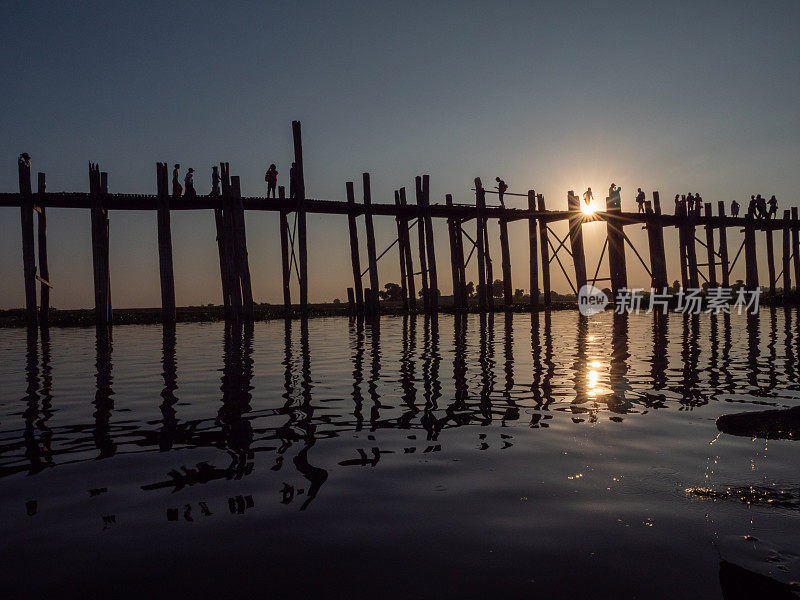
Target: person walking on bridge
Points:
(215, 179)
(189, 181)
(734, 208)
(501, 189)
(773, 207)
(177, 190)
(271, 177)
(640, 200)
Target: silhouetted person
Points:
(773, 207)
(761, 205)
(677, 204)
(177, 190)
(587, 196)
(735, 208)
(25, 160)
(215, 179)
(640, 200)
(293, 181)
(689, 203)
(189, 182)
(698, 204)
(501, 190)
(614, 202)
(751, 208)
(271, 177)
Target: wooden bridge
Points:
(544, 245)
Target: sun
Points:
(587, 209)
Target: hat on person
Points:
(25, 155)
(191, 170)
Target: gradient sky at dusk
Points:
(675, 96)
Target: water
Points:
(553, 456)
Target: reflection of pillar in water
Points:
(103, 399)
(169, 371)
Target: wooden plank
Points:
(167, 276)
(301, 216)
(240, 245)
(412, 297)
(374, 305)
(544, 243)
(533, 253)
(355, 259)
(44, 269)
(423, 260)
(796, 248)
(28, 246)
(750, 258)
(480, 203)
(286, 268)
(401, 249)
(787, 253)
(576, 239)
(723, 248)
(711, 257)
(433, 279)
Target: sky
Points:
(553, 96)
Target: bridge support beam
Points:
(787, 253)
(655, 242)
(406, 241)
(533, 252)
(165, 266)
(576, 239)
(723, 248)
(750, 258)
(28, 248)
(44, 269)
(544, 243)
(616, 248)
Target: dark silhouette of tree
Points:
(392, 293)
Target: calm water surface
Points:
(469, 457)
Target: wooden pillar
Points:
(770, 257)
(44, 269)
(374, 305)
(28, 247)
(750, 259)
(616, 246)
(99, 222)
(433, 279)
(576, 239)
(412, 296)
(691, 252)
(462, 275)
(455, 270)
(351, 301)
(723, 247)
(712, 257)
(106, 264)
(401, 251)
(655, 241)
(301, 217)
(508, 292)
(165, 244)
(796, 247)
(286, 260)
(682, 249)
(480, 208)
(423, 261)
(233, 284)
(355, 258)
(787, 252)
(533, 252)
(240, 245)
(544, 243)
(219, 222)
(487, 255)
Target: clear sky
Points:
(675, 96)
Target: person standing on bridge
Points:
(734, 208)
(773, 207)
(177, 190)
(189, 181)
(698, 205)
(587, 196)
(501, 189)
(640, 200)
(271, 177)
(215, 179)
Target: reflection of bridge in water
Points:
(496, 394)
